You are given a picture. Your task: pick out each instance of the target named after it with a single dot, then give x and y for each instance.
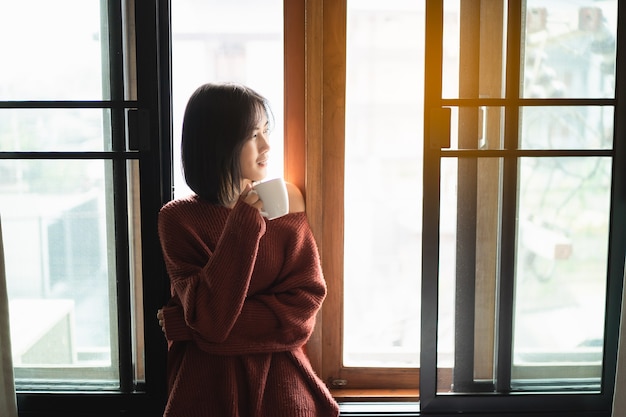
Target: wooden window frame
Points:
(315, 81)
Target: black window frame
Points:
(499, 397)
(145, 123)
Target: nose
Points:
(264, 143)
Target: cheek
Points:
(247, 156)
(248, 159)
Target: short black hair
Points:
(218, 120)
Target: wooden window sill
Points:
(378, 395)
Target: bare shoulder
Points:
(296, 199)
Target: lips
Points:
(263, 161)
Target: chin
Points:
(261, 175)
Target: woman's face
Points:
(255, 153)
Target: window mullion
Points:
(113, 88)
(465, 293)
(433, 44)
(617, 240)
(153, 69)
(121, 285)
(506, 278)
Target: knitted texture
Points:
(245, 292)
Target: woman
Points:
(245, 290)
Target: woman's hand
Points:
(250, 197)
(160, 318)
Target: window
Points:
(528, 173)
(76, 173)
(522, 259)
(59, 208)
(383, 193)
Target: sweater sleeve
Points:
(283, 316)
(175, 326)
(202, 279)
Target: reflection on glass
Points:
(54, 130)
(569, 49)
(213, 41)
(383, 185)
(567, 127)
(56, 221)
(561, 266)
(51, 50)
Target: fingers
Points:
(246, 190)
(250, 197)
(160, 318)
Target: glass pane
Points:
(213, 41)
(450, 63)
(51, 50)
(473, 49)
(447, 263)
(567, 127)
(560, 276)
(54, 130)
(569, 49)
(383, 183)
(561, 267)
(57, 224)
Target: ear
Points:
(296, 200)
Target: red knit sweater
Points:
(245, 292)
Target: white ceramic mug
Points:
(275, 199)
